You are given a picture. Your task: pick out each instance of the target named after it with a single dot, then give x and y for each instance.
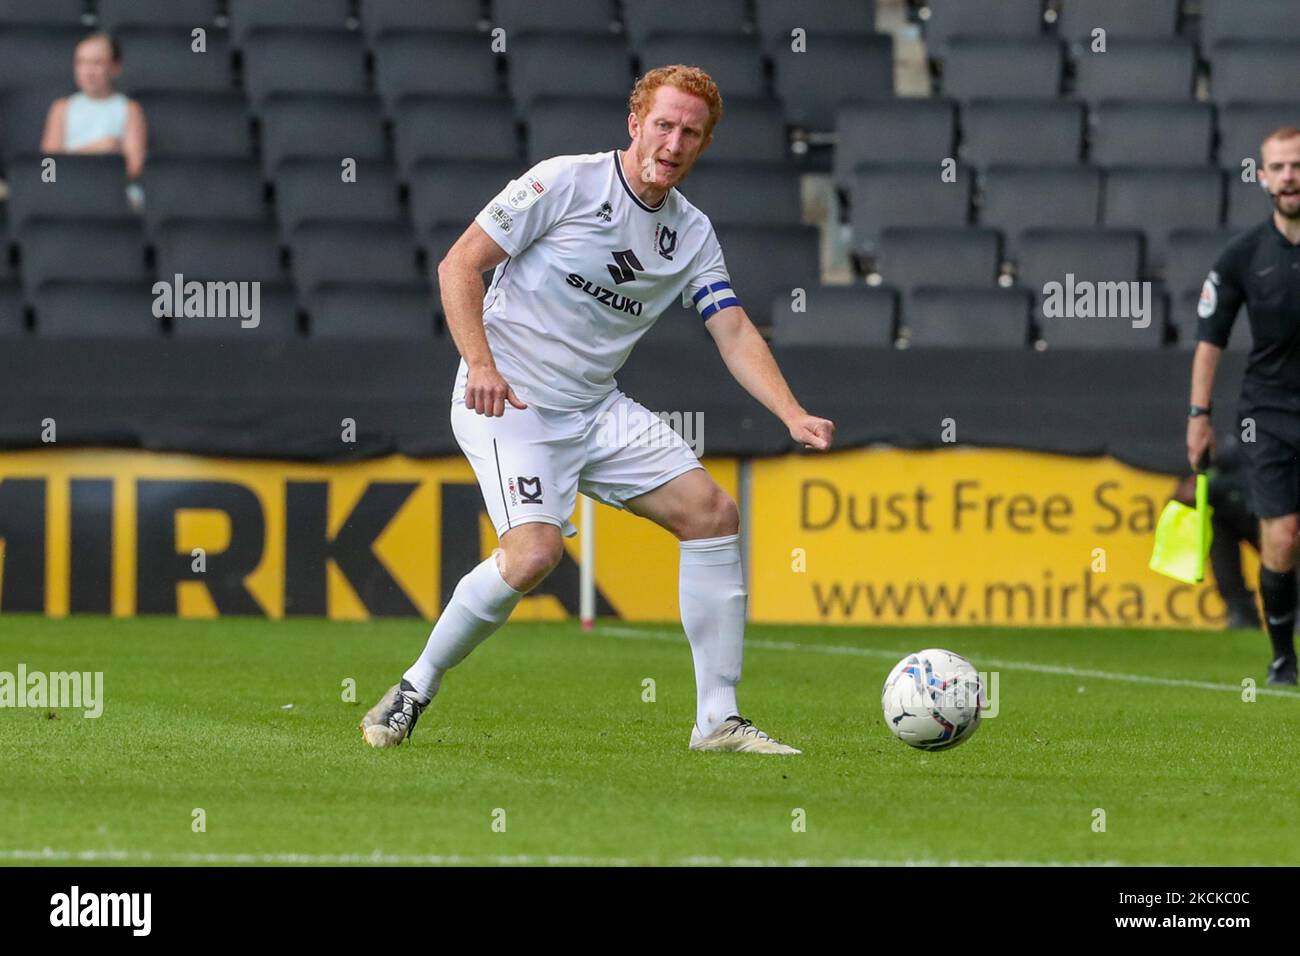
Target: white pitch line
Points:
(49, 855)
(1057, 669)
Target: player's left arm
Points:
(752, 364)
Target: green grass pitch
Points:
(549, 725)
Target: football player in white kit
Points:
(588, 252)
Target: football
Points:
(932, 699)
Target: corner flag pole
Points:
(587, 565)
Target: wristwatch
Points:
(1198, 410)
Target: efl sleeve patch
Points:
(714, 297)
(1209, 301)
(522, 193)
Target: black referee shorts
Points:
(1273, 461)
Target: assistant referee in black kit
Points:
(1261, 268)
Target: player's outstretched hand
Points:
(813, 432)
(486, 392)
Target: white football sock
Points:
(480, 604)
(712, 595)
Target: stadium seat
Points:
(335, 126)
(453, 193)
(905, 194)
(752, 130)
(277, 318)
(1184, 321)
(22, 117)
(844, 18)
(114, 15)
(13, 320)
(246, 15)
(715, 18)
(745, 194)
(485, 128)
(912, 256)
(314, 189)
(323, 251)
(192, 187)
(563, 125)
(568, 16)
(994, 131)
(302, 61)
(87, 186)
(208, 125)
(853, 315)
(1249, 203)
(1096, 255)
(1115, 332)
(734, 62)
(592, 64)
(1151, 198)
(38, 55)
(357, 311)
(1015, 198)
(895, 130)
(1129, 132)
(81, 249)
(446, 64)
(833, 70)
(1002, 68)
(768, 261)
(1155, 19)
(1266, 20)
(1262, 70)
(44, 13)
(979, 18)
(966, 318)
(96, 310)
(1243, 126)
(1137, 69)
(225, 249)
(162, 58)
(1192, 254)
(403, 16)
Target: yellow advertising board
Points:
(947, 537)
(963, 537)
(128, 532)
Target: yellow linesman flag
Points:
(1183, 537)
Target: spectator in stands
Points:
(97, 119)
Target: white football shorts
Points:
(532, 462)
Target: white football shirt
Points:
(591, 268)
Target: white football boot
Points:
(391, 720)
(738, 735)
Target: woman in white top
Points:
(96, 119)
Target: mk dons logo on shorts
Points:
(525, 491)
